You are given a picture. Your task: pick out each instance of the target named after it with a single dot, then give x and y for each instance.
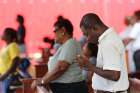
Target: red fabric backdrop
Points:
(41, 14)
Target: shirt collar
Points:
(109, 30)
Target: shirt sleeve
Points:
(111, 58)
(69, 52)
(134, 32)
(13, 51)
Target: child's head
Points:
(90, 49)
(9, 35)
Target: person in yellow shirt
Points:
(9, 58)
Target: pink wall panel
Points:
(41, 14)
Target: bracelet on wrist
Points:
(42, 82)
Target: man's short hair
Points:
(137, 14)
(90, 21)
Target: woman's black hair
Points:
(63, 22)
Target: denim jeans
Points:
(4, 85)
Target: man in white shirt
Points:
(134, 38)
(110, 72)
(128, 21)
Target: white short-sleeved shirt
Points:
(125, 34)
(111, 56)
(135, 34)
(67, 52)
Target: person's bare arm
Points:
(59, 69)
(11, 69)
(126, 41)
(108, 74)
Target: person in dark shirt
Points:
(21, 33)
